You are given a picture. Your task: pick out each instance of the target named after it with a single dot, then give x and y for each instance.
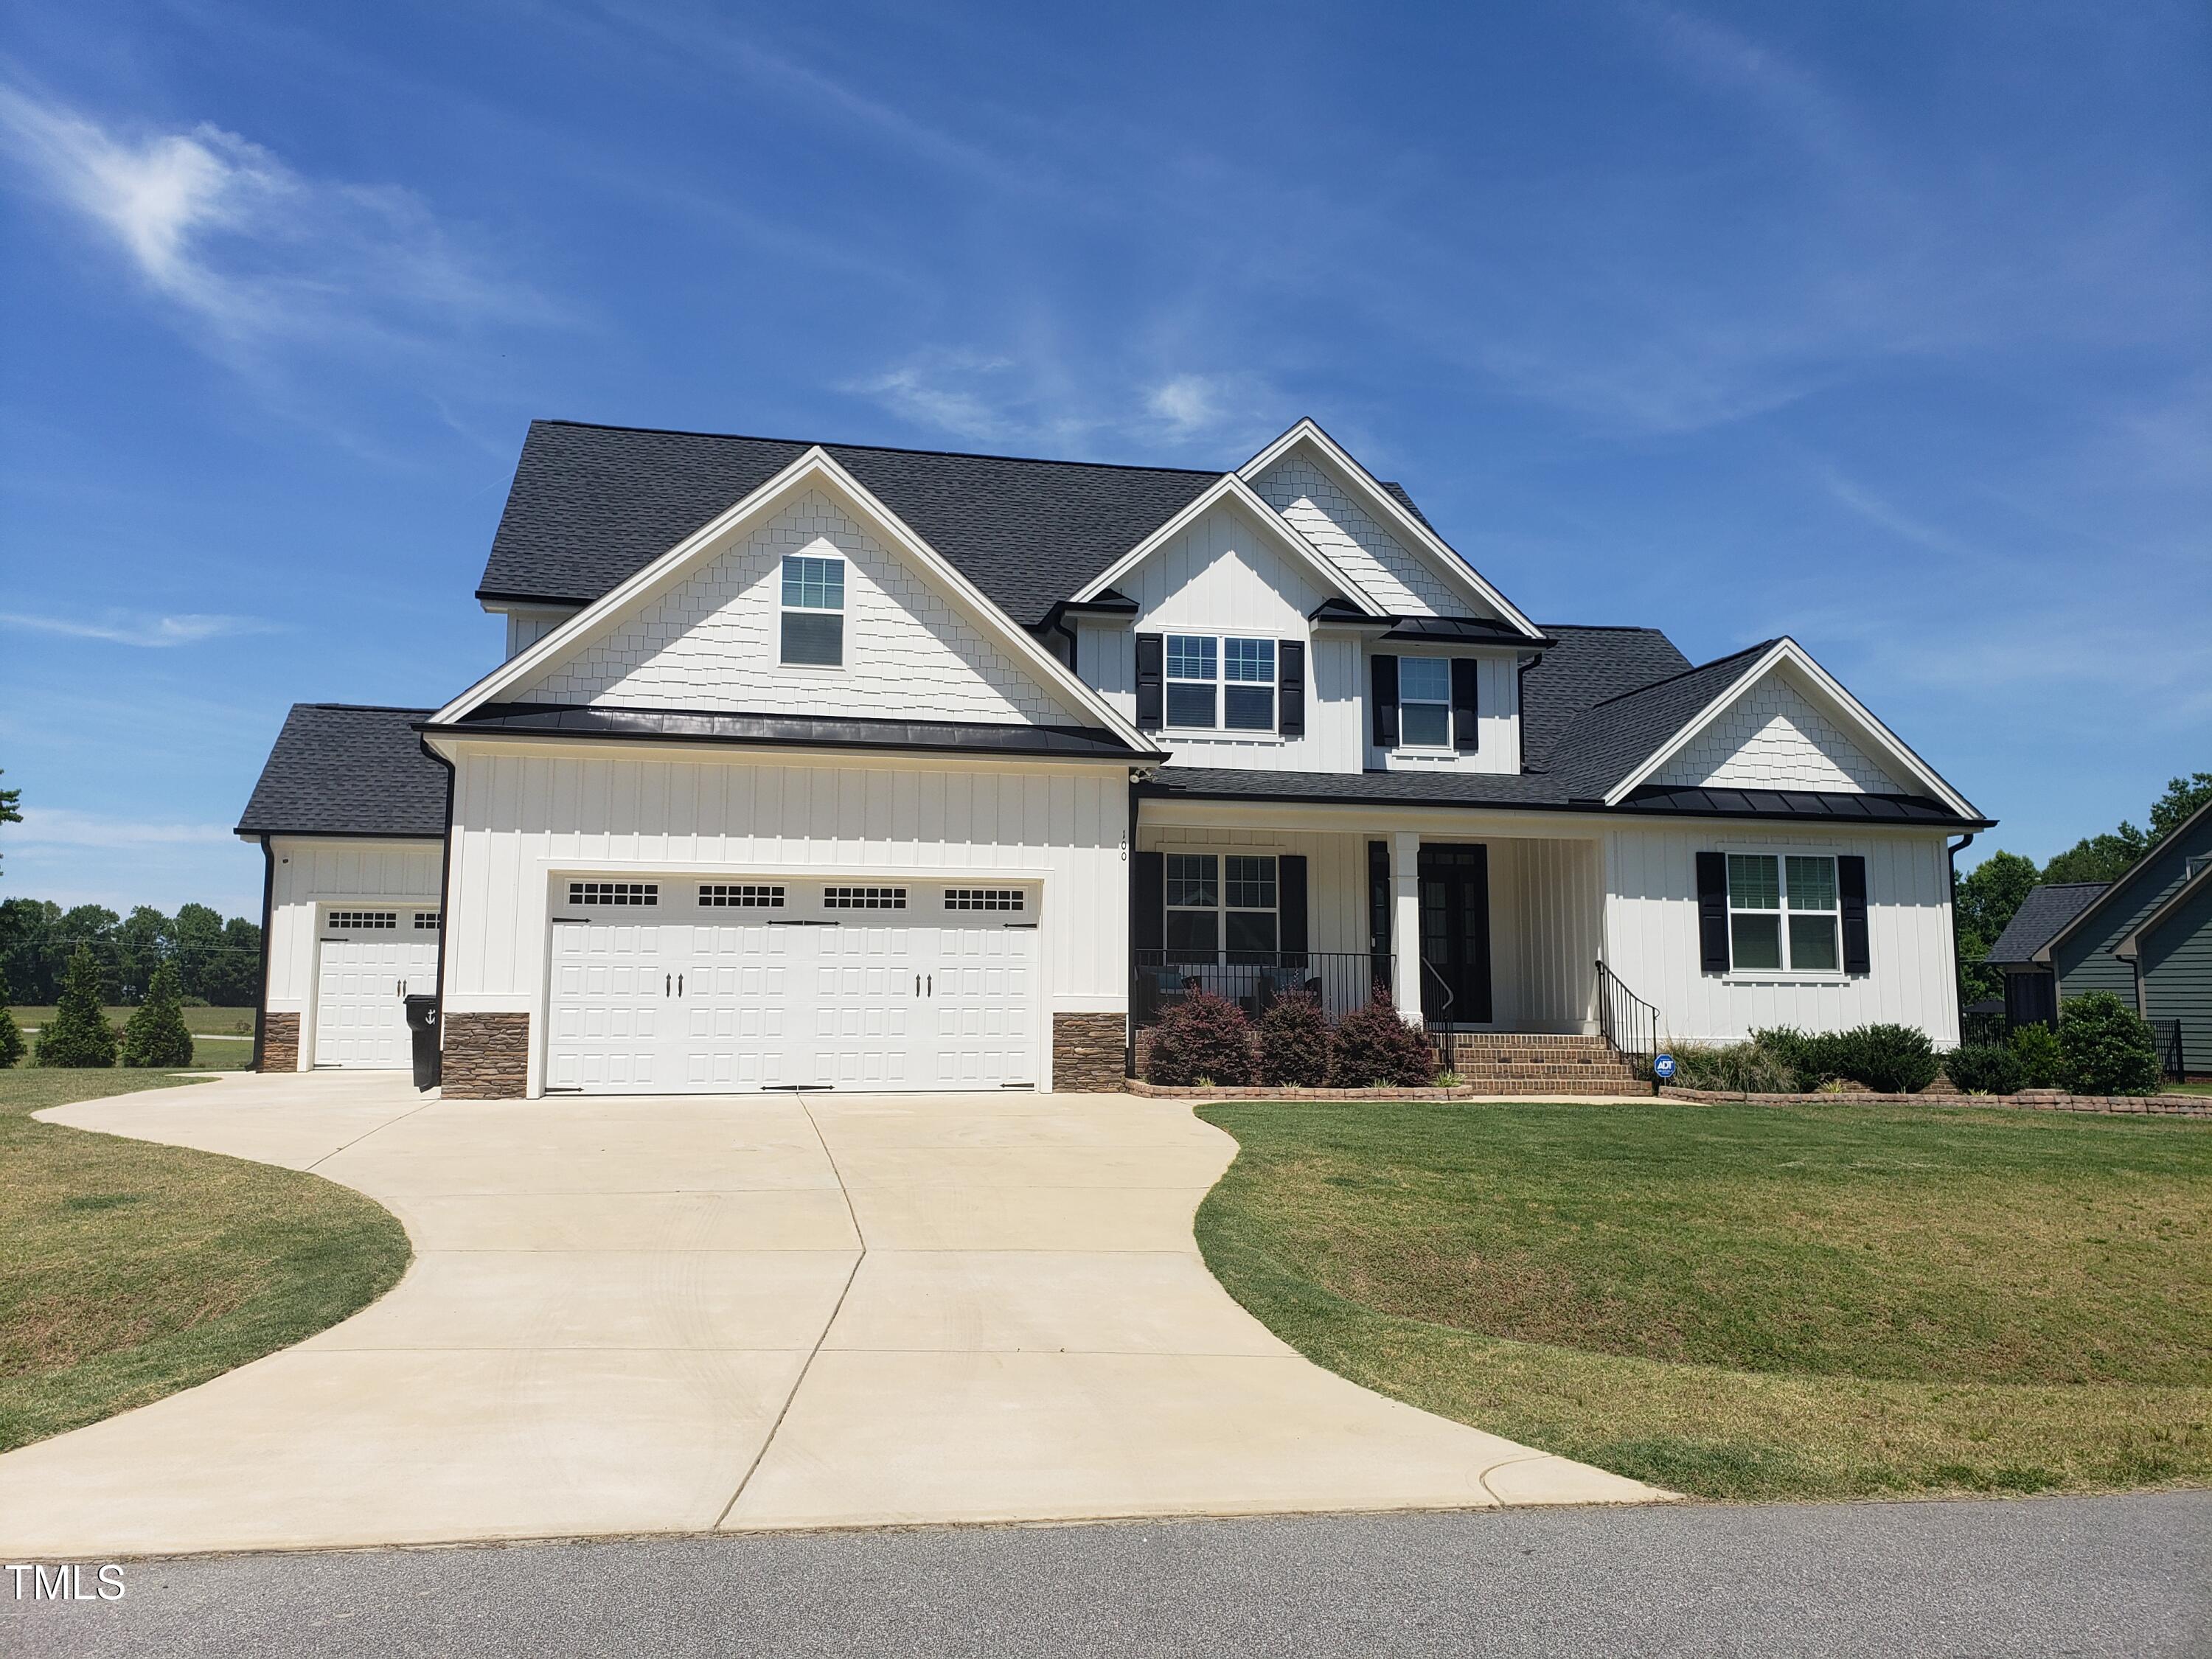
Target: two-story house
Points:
(829, 766)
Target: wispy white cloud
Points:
(251, 252)
(59, 826)
(119, 627)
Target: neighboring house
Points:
(2146, 938)
(823, 765)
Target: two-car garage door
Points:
(681, 986)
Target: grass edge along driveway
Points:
(132, 1270)
(1749, 1302)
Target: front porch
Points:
(1485, 930)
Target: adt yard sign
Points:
(1664, 1067)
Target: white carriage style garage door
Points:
(367, 959)
(687, 986)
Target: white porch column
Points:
(1406, 924)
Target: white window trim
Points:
(1736, 975)
(841, 611)
(1221, 730)
(1222, 909)
(1449, 745)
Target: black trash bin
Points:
(422, 1021)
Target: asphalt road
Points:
(2102, 1576)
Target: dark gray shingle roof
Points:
(341, 769)
(1608, 741)
(2044, 911)
(1534, 790)
(1587, 665)
(592, 505)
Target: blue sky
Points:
(1885, 325)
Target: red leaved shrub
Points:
(1373, 1049)
(1201, 1037)
(1294, 1042)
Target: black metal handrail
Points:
(2172, 1058)
(1630, 1024)
(1342, 980)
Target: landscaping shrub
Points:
(1294, 1042)
(156, 1034)
(1202, 1038)
(79, 1034)
(1982, 1068)
(2042, 1061)
(1890, 1059)
(2108, 1047)
(11, 1040)
(1373, 1047)
(1752, 1068)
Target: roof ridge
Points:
(879, 449)
(1684, 673)
(1606, 628)
(373, 708)
(2073, 884)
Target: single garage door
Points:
(690, 987)
(368, 959)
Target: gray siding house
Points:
(2146, 938)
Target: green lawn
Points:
(1749, 1302)
(129, 1271)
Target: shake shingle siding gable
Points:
(342, 769)
(591, 505)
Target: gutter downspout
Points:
(1129, 926)
(1957, 968)
(445, 898)
(268, 912)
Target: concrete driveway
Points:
(674, 1314)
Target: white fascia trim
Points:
(1787, 651)
(1232, 488)
(1440, 552)
(817, 465)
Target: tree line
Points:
(216, 961)
(1986, 897)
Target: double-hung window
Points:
(1248, 700)
(1220, 682)
(1221, 904)
(814, 611)
(1193, 669)
(1424, 715)
(1783, 912)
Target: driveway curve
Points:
(674, 1314)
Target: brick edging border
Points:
(2028, 1100)
(1457, 1092)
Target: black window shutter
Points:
(1385, 673)
(1151, 920)
(1151, 668)
(1466, 736)
(1290, 902)
(1851, 888)
(1290, 693)
(1712, 912)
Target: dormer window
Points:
(814, 611)
(1425, 702)
(1192, 673)
(1220, 682)
(1249, 699)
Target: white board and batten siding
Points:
(1651, 935)
(316, 877)
(1222, 577)
(526, 821)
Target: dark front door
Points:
(1455, 935)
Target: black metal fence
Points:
(1630, 1024)
(1342, 980)
(2172, 1057)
